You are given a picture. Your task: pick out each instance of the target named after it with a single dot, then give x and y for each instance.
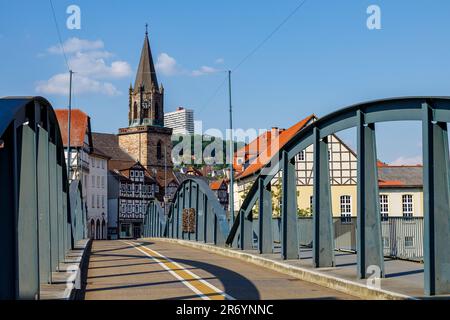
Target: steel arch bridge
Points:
(432, 112)
(42, 216)
(210, 224)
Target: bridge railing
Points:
(402, 238)
(41, 216)
(432, 112)
(193, 214)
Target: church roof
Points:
(108, 144)
(146, 74)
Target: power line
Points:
(251, 53)
(59, 35)
(261, 44)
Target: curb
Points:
(328, 281)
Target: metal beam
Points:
(289, 219)
(45, 269)
(246, 232)
(369, 243)
(323, 238)
(436, 191)
(27, 218)
(265, 238)
(7, 218)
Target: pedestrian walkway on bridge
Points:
(157, 270)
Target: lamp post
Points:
(231, 196)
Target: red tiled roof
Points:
(215, 185)
(79, 125)
(274, 144)
(251, 150)
(390, 183)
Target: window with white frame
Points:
(93, 201)
(384, 206)
(407, 205)
(93, 181)
(346, 208)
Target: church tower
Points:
(146, 105)
(146, 139)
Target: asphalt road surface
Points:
(139, 270)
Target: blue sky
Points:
(322, 59)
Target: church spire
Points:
(146, 74)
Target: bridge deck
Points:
(124, 270)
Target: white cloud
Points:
(204, 70)
(90, 63)
(74, 45)
(59, 85)
(167, 65)
(220, 61)
(401, 161)
(93, 64)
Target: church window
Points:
(135, 110)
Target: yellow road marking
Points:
(202, 288)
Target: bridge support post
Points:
(189, 203)
(8, 182)
(27, 258)
(200, 223)
(265, 241)
(150, 220)
(246, 232)
(154, 222)
(178, 216)
(43, 207)
(209, 222)
(369, 243)
(289, 237)
(197, 211)
(219, 238)
(323, 238)
(436, 187)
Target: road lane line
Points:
(199, 286)
(193, 275)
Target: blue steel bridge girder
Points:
(289, 220)
(436, 203)
(433, 112)
(38, 224)
(211, 224)
(246, 231)
(323, 238)
(369, 240)
(265, 238)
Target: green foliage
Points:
(304, 213)
(206, 141)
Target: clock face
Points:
(145, 104)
